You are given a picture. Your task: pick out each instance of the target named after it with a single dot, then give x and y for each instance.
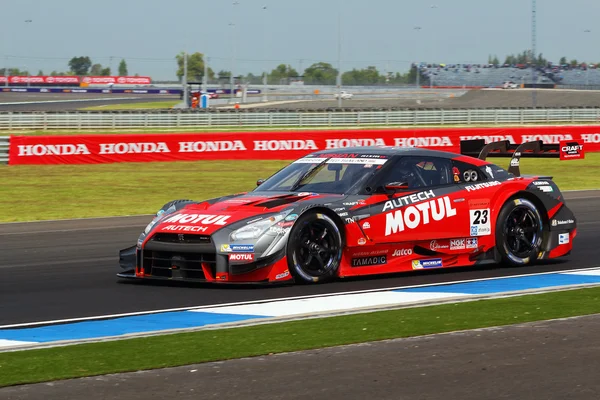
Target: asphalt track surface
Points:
(24, 102)
(66, 269)
(424, 99)
(553, 360)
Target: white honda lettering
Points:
(277, 145)
(490, 139)
(53, 150)
(341, 143)
(547, 138)
(591, 137)
(202, 147)
(133, 148)
(429, 141)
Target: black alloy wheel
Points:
(314, 248)
(519, 232)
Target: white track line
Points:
(212, 306)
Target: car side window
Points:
(420, 172)
(466, 173)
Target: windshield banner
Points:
(96, 149)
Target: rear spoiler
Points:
(503, 148)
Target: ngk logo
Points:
(421, 214)
(241, 257)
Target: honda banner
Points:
(93, 149)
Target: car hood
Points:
(210, 216)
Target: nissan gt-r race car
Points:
(363, 211)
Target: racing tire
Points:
(314, 249)
(519, 232)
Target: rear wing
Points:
(503, 148)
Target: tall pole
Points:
(233, 49)
(6, 73)
(339, 54)
(205, 77)
(265, 72)
(533, 50)
(418, 69)
(186, 95)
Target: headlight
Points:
(256, 229)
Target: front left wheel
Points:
(314, 248)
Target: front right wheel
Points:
(314, 248)
(519, 232)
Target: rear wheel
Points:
(314, 248)
(519, 232)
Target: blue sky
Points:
(148, 33)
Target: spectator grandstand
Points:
(489, 75)
(480, 75)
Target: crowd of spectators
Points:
(494, 75)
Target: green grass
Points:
(203, 346)
(133, 106)
(77, 191)
(68, 191)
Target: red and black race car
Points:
(363, 211)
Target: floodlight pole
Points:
(266, 71)
(339, 55)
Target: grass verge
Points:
(204, 346)
(133, 106)
(78, 191)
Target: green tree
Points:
(223, 74)
(40, 73)
(195, 67)
(123, 68)
(80, 65)
(96, 70)
(574, 63)
(105, 71)
(563, 61)
(282, 73)
(320, 73)
(365, 76)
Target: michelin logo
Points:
(425, 264)
(237, 248)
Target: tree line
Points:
(321, 73)
(81, 66)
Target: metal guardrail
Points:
(140, 120)
(4, 145)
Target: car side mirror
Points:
(394, 187)
(260, 182)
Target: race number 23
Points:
(480, 222)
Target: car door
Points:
(431, 206)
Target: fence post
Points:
(469, 117)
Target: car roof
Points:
(390, 151)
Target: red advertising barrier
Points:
(98, 80)
(95, 149)
(43, 79)
(120, 80)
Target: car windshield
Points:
(324, 174)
